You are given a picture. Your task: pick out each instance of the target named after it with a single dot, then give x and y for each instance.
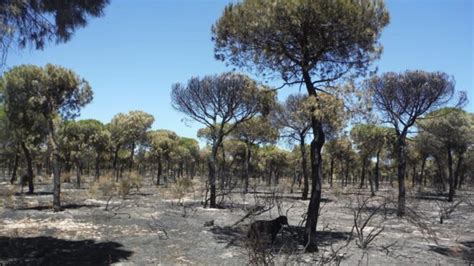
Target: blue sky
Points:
(133, 54)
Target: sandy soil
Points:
(151, 227)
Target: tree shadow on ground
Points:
(63, 207)
(387, 211)
(289, 240)
(464, 251)
(40, 193)
(54, 251)
(294, 198)
(431, 195)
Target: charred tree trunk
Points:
(331, 172)
(462, 177)
(457, 184)
(316, 186)
(304, 168)
(377, 171)
(78, 173)
(56, 160)
(316, 170)
(132, 152)
(422, 171)
(15, 166)
(442, 174)
(29, 167)
(212, 177)
(97, 166)
(246, 166)
(371, 183)
(346, 174)
(115, 169)
(222, 168)
(450, 176)
(213, 169)
(401, 167)
(362, 175)
(413, 177)
(159, 172)
(67, 162)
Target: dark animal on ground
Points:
(261, 229)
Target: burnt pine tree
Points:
(221, 103)
(295, 123)
(403, 98)
(306, 42)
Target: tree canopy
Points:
(36, 22)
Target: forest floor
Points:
(154, 226)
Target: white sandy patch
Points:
(229, 254)
(66, 228)
(102, 202)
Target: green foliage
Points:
(340, 149)
(256, 130)
(37, 21)
(450, 127)
(369, 139)
(162, 142)
(326, 38)
(77, 138)
(129, 129)
(32, 91)
(272, 157)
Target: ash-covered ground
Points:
(156, 225)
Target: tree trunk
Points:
(78, 173)
(56, 160)
(304, 168)
(331, 172)
(371, 183)
(413, 177)
(221, 172)
(97, 166)
(15, 166)
(115, 170)
(462, 177)
(246, 166)
(29, 165)
(377, 171)
(316, 186)
(159, 172)
(132, 152)
(213, 169)
(422, 171)
(346, 175)
(316, 172)
(212, 177)
(457, 184)
(67, 162)
(362, 175)
(441, 173)
(401, 167)
(451, 176)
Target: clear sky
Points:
(133, 54)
